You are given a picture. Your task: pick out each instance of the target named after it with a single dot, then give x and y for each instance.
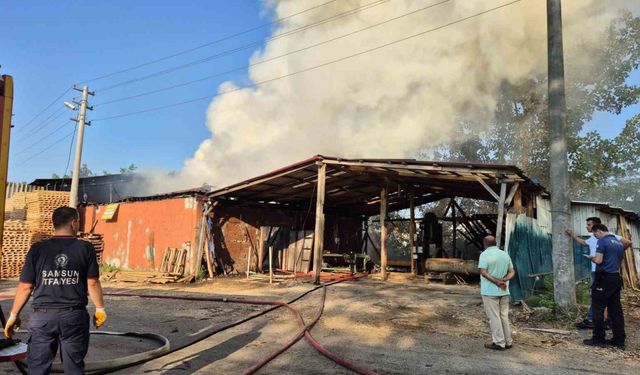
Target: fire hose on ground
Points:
(107, 366)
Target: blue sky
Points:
(51, 45)
(48, 46)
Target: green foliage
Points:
(85, 171)
(130, 169)
(543, 295)
(582, 294)
(108, 268)
(519, 134)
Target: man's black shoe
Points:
(596, 343)
(508, 346)
(493, 346)
(585, 324)
(617, 345)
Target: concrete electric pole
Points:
(75, 179)
(563, 273)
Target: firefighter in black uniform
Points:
(60, 272)
(605, 291)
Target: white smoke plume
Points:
(391, 102)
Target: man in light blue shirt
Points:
(496, 269)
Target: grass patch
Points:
(108, 268)
(543, 296)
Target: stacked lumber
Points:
(174, 261)
(40, 207)
(16, 207)
(145, 277)
(97, 241)
(16, 244)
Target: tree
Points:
(130, 169)
(519, 134)
(85, 171)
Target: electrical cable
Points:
(45, 149)
(259, 83)
(276, 21)
(42, 125)
(245, 67)
(47, 107)
(66, 169)
(243, 47)
(41, 139)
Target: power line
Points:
(313, 67)
(41, 126)
(39, 153)
(56, 114)
(244, 67)
(47, 107)
(231, 36)
(243, 47)
(75, 128)
(41, 139)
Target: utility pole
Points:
(563, 273)
(75, 179)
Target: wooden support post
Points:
(454, 249)
(318, 242)
(503, 194)
(261, 249)
(530, 206)
(517, 202)
(270, 264)
(412, 234)
(383, 233)
(248, 261)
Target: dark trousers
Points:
(605, 293)
(70, 329)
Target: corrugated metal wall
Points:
(529, 247)
(579, 214)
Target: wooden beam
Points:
(318, 242)
(489, 189)
(383, 233)
(368, 164)
(502, 198)
(412, 233)
(512, 193)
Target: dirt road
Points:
(403, 327)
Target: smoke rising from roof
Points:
(392, 102)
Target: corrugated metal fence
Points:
(529, 247)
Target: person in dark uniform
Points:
(60, 272)
(605, 291)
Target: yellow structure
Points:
(6, 107)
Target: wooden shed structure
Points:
(348, 191)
